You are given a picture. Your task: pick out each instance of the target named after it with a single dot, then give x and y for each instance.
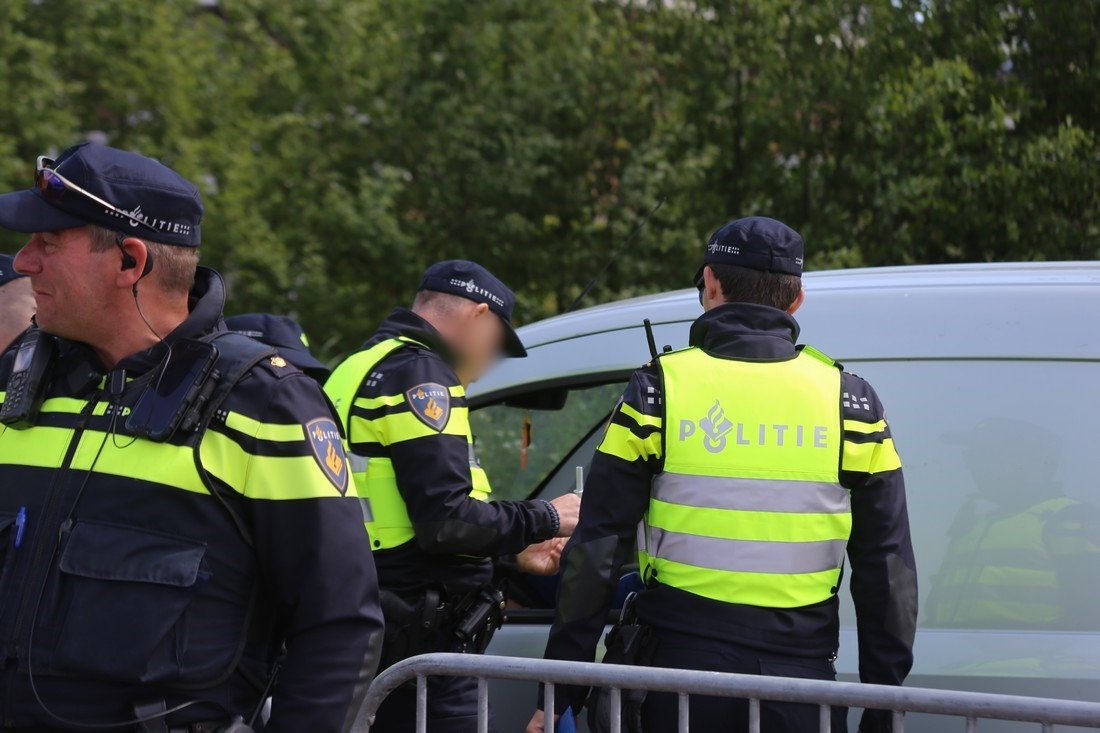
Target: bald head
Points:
(16, 309)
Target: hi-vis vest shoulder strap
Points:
(749, 508)
(344, 382)
(384, 510)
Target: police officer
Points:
(174, 507)
(1020, 553)
(402, 400)
(754, 464)
(16, 303)
(285, 335)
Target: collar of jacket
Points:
(747, 332)
(403, 322)
(206, 302)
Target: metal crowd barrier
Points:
(971, 706)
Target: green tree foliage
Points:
(343, 145)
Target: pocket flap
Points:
(110, 552)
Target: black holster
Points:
(411, 627)
(432, 624)
(477, 618)
(628, 642)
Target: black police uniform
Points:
(150, 591)
(138, 575)
(691, 631)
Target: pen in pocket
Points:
(20, 523)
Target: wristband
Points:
(554, 518)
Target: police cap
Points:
(7, 271)
(755, 242)
(116, 189)
(473, 282)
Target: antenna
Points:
(648, 325)
(614, 255)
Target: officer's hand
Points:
(569, 511)
(542, 558)
(538, 722)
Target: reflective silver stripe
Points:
(368, 515)
(745, 556)
(753, 495)
(358, 463)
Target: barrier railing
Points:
(971, 706)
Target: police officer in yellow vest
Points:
(753, 465)
(174, 504)
(1020, 553)
(402, 400)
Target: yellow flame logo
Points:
(333, 460)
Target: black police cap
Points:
(7, 270)
(473, 282)
(755, 242)
(147, 198)
(284, 334)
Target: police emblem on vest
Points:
(431, 403)
(324, 438)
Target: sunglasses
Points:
(53, 186)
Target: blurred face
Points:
(71, 283)
(479, 342)
(16, 309)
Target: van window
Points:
(551, 436)
(1002, 467)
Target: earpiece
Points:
(128, 261)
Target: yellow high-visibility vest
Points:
(749, 508)
(1000, 571)
(389, 421)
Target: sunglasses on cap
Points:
(53, 186)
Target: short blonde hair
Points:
(174, 266)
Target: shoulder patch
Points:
(431, 403)
(328, 449)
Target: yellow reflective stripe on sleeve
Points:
(393, 400)
(402, 426)
(642, 419)
(263, 477)
(855, 426)
(623, 443)
(287, 433)
(373, 403)
(870, 457)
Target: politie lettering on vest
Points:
(716, 428)
(752, 465)
(157, 579)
